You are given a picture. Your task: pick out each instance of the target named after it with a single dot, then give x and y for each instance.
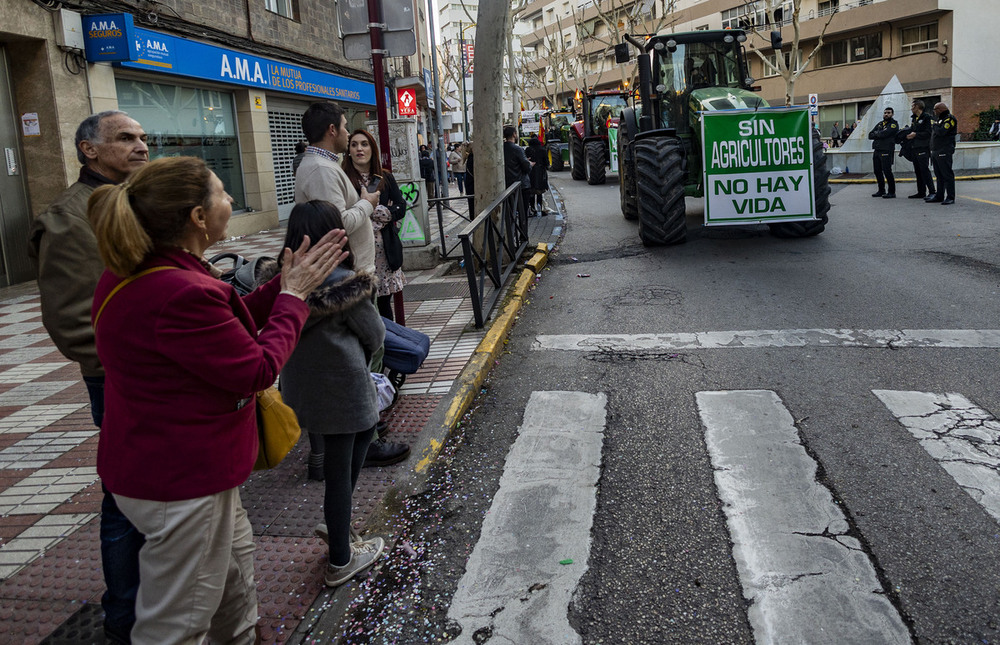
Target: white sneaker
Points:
(362, 557)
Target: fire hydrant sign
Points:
(758, 166)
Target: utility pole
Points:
(465, 107)
(442, 167)
(375, 26)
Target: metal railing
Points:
(443, 204)
(491, 246)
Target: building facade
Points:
(225, 82)
(937, 48)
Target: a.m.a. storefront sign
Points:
(758, 166)
(109, 37)
(163, 53)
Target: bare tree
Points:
(620, 17)
(790, 70)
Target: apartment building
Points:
(227, 82)
(939, 49)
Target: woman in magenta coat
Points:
(184, 356)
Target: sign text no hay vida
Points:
(758, 166)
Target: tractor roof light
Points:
(742, 38)
(728, 39)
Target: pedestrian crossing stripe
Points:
(804, 576)
(411, 230)
(962, 437)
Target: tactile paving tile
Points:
(86, 626)
(27, 622)
(277, 630)
(70, 571)
(289, 573)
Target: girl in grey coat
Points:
(327, 383)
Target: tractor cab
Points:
(697, 72)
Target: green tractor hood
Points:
(709, 99)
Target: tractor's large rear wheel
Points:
(555, 158)
(577, 163)
(595, 153)
(660, 190)
(821, 194)
(626, 173)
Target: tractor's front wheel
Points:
(555, 158)
(660, 196)
(821, 194)
(577, 164)
(595, 155)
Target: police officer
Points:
(920, 138)
(883, 137)
(943, 134)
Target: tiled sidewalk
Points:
(50, 570)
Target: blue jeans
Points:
(460, 178)
(120, 544)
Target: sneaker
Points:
(948, 201)
(878, 194)
(362, 557)
(383, 453)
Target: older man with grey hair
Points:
(63, 247)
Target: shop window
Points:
(187, 121)
(919, 38)
(284, 8)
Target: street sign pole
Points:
(381, 107)
(462, 59)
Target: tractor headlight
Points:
(728, 38)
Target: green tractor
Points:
(589, 154)
(556, 125)
(682, 77)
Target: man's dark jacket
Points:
(943, 134)
(883, 136)
(515, 164)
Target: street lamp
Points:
(462, 55)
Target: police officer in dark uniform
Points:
(920, 138)
(883, 137)
(943, 134)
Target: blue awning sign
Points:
(169, 54)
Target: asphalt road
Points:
(666, 560)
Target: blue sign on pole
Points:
(168, 54)
(428, 86)
(108, 37)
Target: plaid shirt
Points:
(313, 150)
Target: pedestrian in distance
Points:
(328, 384)
(364, 168)
(63, 247)
(845, 133)
(428, 172)
(835, 134)
(883, 137)
(515, 164)
(320, 176)
(457, 160)
(994, 132)
(919, 136)
(300, 151)
(538, 176)
(943, 134)
(184, 355)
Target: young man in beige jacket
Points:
(320, 177)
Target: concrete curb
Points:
(865, 180)
(474, 374)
